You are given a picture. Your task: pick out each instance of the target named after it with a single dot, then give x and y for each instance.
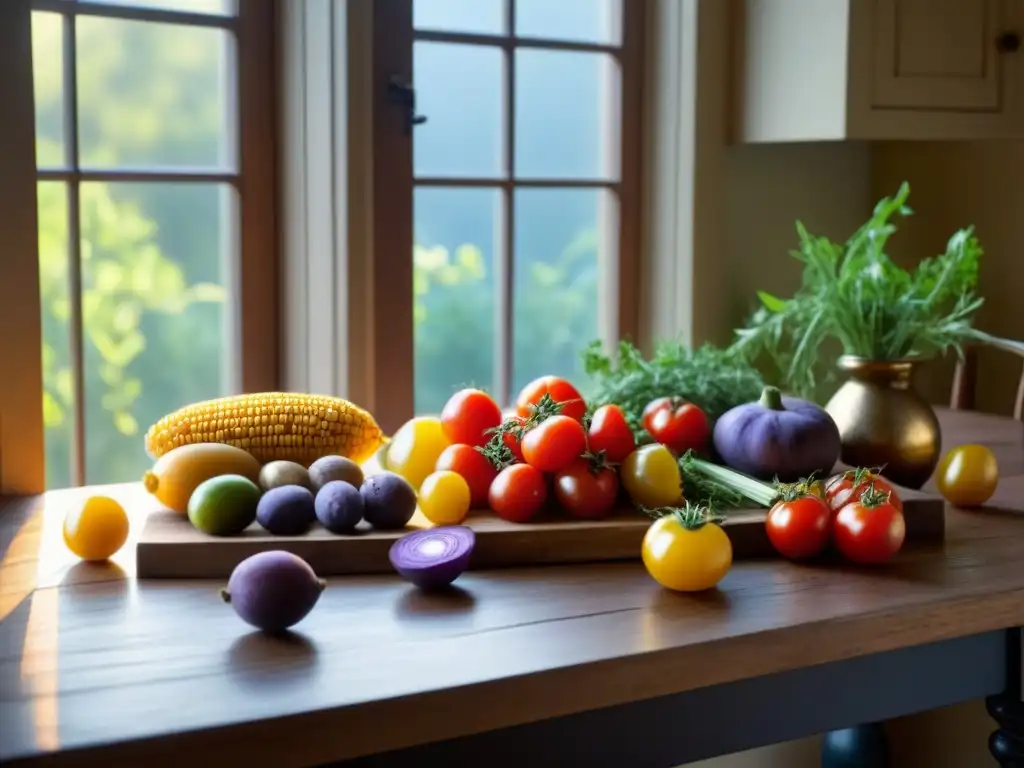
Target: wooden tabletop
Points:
(97, 666)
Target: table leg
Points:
(1007, 743)
(862, 746)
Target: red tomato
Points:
(514, 444)
(467, 416)
(869, 532)
(560, 390)
(799, 528)
(518, 493)
(676, 424)
(840, 490)
(474, 467)
(554, 443)
(610, 433)
(586, 491)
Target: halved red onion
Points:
(434, 557)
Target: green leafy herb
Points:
(854, 293)
(712, 378)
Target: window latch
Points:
(401, 92)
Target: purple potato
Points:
(389, 501)
(273, 590)
(339, 506)
(329, 468)
(286, 510)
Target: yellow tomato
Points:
(444, 498)
(967, 475)
(96, 529)
(413, 451)
(683, 558)
(650, 475)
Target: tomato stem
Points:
(691, 516)
(873, 497)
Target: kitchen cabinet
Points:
(825, 70)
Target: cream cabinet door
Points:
(939, 55)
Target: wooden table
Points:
(545, 666)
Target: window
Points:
(506, 151)
(153, 123)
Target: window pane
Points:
(558, 253)
(154, 304)
(48, 83)
(586, 21)
(486, 17)
(58, 394)
(459, 89)
(151, 94)
(194, 6)
(453, 258)
(566, 114)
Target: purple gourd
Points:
(778, 437)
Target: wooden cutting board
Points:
(170, 547)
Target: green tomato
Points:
(650, 475)
(415, 448)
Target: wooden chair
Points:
(965, 376)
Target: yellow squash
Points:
(178, 472)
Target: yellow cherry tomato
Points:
(684, 556)
(650, 475)
(414, 450)
(968, 475)
(444, 497)
(96, 528)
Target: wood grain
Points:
(170, 547)
(97, 668)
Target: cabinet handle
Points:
(1008, 42)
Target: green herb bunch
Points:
(854, 293)
(712, 378)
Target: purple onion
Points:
(273, 590)
(434, 557)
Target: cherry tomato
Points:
(514, 443)
(799, 528)
(677, 424)
(96, 528)
(560, 390)
(968, 475)
(554, 443)
(586, 491)
(444, 498)
(474, 468)
(840, 490)
(610, 433)
(869, 531)
(467, 416)
(650, 475)
(518, 493)
(686, 558)
(415, 448)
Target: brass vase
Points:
(884, 422)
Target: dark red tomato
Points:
(560, 390)
(867, 533)
(799, 528)
(474, 468)
(513, 442)
(677, 424)
(518, 493)
(840, 490)
(467, 416)
(610, 433)
(554, 443)
(585, 491)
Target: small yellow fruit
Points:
(96, 529)
(444, 497)
(415, 448)
(968, 475)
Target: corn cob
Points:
(270, 426)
